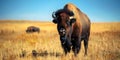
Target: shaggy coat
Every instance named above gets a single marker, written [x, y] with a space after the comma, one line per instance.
[73, 27]
[32, 29]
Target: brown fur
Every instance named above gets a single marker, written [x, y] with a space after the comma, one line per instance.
[76, 28]
[81, 28]
[32, 29]
[81, 19]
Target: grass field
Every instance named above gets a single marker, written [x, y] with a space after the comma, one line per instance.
[16, 44]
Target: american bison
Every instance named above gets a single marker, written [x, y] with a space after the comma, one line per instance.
[32, 29]
[73, 26]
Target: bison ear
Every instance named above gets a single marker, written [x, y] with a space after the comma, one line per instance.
[73, 20]
[54, 21]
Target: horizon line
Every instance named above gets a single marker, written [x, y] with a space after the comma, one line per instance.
[51, 20]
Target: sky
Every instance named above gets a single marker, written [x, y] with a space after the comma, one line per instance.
[41, 10]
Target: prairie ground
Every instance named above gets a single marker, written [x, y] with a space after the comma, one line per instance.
[16, 44]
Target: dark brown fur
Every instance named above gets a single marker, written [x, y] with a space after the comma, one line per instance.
[77, 29]
[32, 29]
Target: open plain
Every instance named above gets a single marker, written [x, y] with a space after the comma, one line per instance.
[16, 44]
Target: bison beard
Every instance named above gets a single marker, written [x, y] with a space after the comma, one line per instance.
[66, 45]
[73, 27]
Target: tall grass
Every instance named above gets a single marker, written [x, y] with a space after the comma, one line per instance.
[16, 44]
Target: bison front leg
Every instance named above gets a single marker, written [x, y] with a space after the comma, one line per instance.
[66, 44]
[76, 45]
[66, 48]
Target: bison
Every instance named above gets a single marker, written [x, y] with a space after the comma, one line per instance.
[73, 27]
[32, 29]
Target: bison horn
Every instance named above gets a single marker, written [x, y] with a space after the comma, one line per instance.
[53, 15]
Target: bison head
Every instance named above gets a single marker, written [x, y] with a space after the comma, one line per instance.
[64, 20]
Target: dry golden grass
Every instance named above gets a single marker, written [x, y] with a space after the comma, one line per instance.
[16, 44]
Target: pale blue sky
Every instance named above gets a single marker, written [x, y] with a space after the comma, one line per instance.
[41, 10]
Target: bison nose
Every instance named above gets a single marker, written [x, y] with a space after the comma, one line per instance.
[62, 31]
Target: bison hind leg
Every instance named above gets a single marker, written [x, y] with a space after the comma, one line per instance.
[86, 45]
